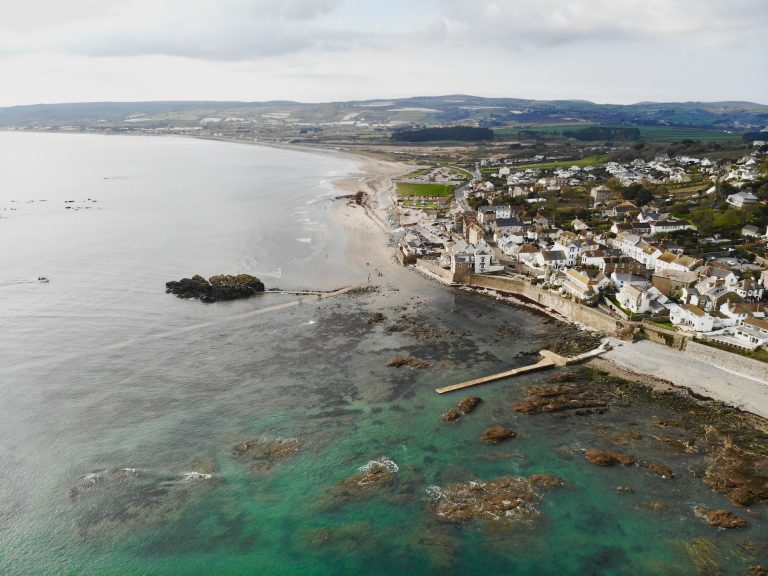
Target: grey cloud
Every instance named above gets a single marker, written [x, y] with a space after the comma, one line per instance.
[204, 29]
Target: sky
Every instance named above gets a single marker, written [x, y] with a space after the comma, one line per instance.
[617, 51]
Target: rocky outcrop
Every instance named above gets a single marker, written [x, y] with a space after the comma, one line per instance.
[720, 518]
[468, 404]
[609, 458]
[558, 397]
[216, 288]
[419, 330]
[660, 470]
[508, 498]
[496, 434]
[376, 318]
[740, 475]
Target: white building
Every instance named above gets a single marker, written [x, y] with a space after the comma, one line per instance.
[741, 199]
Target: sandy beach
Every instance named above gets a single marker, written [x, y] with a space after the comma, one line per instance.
[367, 226]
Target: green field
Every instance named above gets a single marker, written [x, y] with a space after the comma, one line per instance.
[405, 189]
[648, 133]
[586, 161]
[672, 133]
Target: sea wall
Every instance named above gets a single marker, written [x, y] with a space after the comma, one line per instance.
[590, 317]
[405, 260]
[729, 361]
[669, 338]
[436, 270]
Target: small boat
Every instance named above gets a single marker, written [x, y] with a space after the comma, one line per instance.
[42, 279]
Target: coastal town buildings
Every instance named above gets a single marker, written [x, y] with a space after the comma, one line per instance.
[633, 260]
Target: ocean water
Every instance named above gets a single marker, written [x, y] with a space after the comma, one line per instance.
[112, 392]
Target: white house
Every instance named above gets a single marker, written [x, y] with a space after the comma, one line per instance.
[621, 279]
[552, 259]
[740, 311]
[671, 261]
[754, 331]
[578, 225]
[695, 318]
[749, 289]
[741, 199]
[634, 299]
[662, 226]
[584, 284]
[480, 256]
[571, 249]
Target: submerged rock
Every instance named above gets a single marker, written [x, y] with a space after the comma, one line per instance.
[720, 518]
[120, 499]
[376, 318]
[449, 416]
[348, 538]
[370, 475]
[265, 451]
[216, 288]
[507, 498]
[496, 434]
[410, 361]
[468, 404]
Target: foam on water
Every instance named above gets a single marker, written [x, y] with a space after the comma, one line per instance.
[382, 462]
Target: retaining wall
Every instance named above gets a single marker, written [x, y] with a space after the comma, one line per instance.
[729, 361]
[590, 317]
[669, 338]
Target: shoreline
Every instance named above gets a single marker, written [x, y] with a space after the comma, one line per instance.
[367, 231]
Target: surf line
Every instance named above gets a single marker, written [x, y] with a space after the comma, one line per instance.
[170, 333]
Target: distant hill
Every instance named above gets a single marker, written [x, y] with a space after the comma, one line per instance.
[412, 113]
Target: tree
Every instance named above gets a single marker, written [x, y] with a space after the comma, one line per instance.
[704, 219]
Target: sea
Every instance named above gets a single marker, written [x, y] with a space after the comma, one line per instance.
[121, 405]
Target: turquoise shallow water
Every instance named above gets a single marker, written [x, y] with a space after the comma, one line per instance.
[94, 383]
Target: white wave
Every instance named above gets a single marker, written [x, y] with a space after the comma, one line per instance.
[382, 462]
[191, 476]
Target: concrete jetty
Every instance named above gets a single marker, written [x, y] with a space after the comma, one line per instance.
[549, 359]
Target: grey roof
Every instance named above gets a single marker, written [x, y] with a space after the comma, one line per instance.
[550, 255]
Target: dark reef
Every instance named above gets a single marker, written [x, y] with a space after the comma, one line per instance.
[222, 287]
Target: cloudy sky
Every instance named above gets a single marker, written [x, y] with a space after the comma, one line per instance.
[617, 51]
